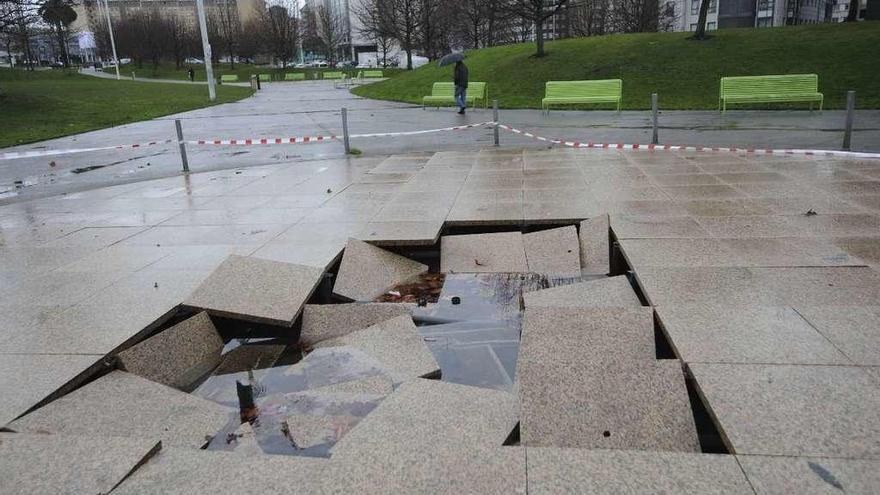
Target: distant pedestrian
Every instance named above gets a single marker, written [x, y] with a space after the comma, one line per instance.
[192, 75]
[461, 84]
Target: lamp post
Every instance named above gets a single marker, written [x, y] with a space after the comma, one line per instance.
[112, 40]
[206, 46]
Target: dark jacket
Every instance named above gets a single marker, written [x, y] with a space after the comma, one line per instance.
[461, 75]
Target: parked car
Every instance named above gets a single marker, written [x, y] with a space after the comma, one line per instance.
[123, 61]
[193, 61]
[348, 64]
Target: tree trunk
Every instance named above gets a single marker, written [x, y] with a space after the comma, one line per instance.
[700, 34]
[853, 14]
[539, 37]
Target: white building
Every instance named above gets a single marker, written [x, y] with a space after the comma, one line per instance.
[760, 13]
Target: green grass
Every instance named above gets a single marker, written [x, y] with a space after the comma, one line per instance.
[684, 73]
[48, 104]
[167, 70]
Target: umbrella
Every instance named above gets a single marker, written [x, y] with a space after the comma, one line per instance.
[451, 59]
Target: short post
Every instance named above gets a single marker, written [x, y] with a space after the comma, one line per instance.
[132, 75]
[345, 130]
[182, 145]
[259, 86]
[655, 138]
[850, 116]
[495, 119]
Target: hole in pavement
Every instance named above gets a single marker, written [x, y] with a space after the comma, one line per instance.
[708, 432]
[662, 345]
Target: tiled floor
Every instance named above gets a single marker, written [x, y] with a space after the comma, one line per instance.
[763, 269]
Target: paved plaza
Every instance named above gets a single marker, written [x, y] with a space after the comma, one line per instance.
[520, 319]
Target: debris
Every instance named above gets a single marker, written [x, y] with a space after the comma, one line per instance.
[456, 300]
[394, 293]
[477, 262]
[248, 411]
[425, 289]
[811, 213]
[52, 164]
[329, 191]
[155, 285]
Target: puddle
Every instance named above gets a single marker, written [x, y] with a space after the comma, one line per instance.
[83, 170]
[426, 290]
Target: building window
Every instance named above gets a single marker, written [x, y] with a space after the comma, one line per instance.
[713, 6]
[695, 7]
[694, 26]
[765, 22]
[710, 26]
[766, 4]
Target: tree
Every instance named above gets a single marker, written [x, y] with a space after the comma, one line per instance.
[279, 29]
[375, 26]
[21, 15]
[331, 30]
[180, 37]
[59, 15]
[853, 14]
[700, 33]
[228, 25]
[405, 21]
[537, 12]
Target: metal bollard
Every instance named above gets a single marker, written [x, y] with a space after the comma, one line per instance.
[495, 119]
[182, 146]
[345, 130]
[132, 75]
[655, 138]
[850, 116]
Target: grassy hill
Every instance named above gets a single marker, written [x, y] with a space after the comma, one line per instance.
[46, 104]
[167, 70]
[683, 72]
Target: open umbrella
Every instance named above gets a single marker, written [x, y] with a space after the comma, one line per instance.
[451, 59]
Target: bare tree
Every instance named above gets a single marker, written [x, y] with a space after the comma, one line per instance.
[331, 30]
[180, 37]
[21, 15]
[59, 15]
[537, 12]
[853, 14]
[700, 33]
[405, 21]
[636, 16]
[375, 26]
[228, 27]
[279, 29]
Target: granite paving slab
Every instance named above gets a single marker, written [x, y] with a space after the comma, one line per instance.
[429, 472]
[185, 471]
[603, 292]
[178, 356]
[720, 285]
[43, 374]
[554, 251]
[126, 405]
[554, 470]
[594, 237]
[855, 330]
[327, 321]
[431, 416]
[677, 252]
[31, 464]
[395, 342]
[486, 212]
[777, 475]
[249, 356]
[746, 334]
[502, 252]
[617, 404]
[830, 286]
[789, 252]
[655, 226]
[865, 248]
[402, 233]
[793, 410]
[257, 290]
[367, 271]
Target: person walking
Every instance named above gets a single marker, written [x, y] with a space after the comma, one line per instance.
[192, 75]
[461, 84]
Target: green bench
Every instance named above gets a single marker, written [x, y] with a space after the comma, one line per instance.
[295, 76]
[228, 78]
[770, 89]
[579, 92]
[334, 75]
[443, 93]
[265, 77]
[370, 74]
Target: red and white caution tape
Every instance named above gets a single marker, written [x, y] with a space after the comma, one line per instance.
[669, 147]
[426, 131]
[37, 153]
[262, 141]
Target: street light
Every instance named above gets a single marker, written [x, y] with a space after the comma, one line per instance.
[206, 46]
[112, 41]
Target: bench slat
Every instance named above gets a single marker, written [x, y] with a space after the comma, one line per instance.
[444, 93]
[770, 89]
[590, 91]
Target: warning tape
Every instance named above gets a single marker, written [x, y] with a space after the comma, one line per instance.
[32, 154]
[262, 141]
[669, 147]
[427, 131]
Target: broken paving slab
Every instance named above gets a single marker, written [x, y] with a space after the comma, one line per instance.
[587, 335]
[554, 251]
[396, 343]
[368, 272]
[327, 321]
[431, 416]
[501, 252]
[595, 250]
[476, 365]
[611, 292]
[125, 405]
[554, 470]
[257, 290]
[42, 376]
[42, 463]
[480, 296]
[707, 333]
[792, 410]
[178, 356]
[185, 471]
[499, 470]
[772, 475]
[249, 356]
[636, 405]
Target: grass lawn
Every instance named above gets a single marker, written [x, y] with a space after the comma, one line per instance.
[684, 73]
[167, 70]
[48, 104]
